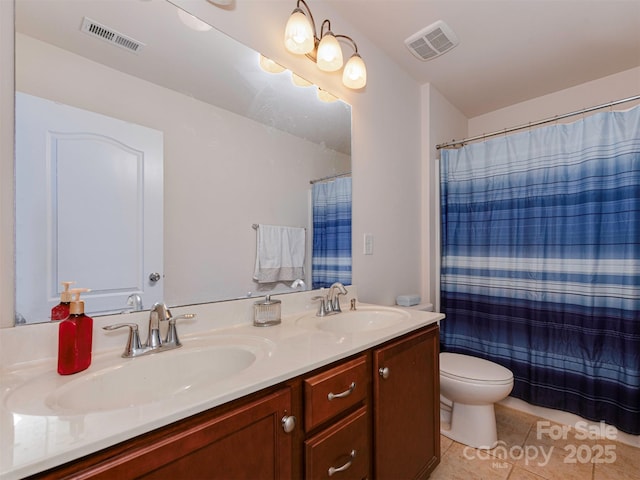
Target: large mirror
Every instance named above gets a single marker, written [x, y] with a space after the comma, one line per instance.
[239, 146]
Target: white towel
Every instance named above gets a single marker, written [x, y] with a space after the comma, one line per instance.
[279, 254]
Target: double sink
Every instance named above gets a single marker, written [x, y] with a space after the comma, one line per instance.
[202, 364]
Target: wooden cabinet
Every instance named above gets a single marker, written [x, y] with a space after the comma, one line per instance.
[406, 407]
[337, 421]
[341, 449]
[374, 415]
[332, 391]
[244, 442]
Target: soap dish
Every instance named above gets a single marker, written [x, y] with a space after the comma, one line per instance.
[266, 312]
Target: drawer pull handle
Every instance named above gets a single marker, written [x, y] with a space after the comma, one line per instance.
[333, 470]
[346, 393]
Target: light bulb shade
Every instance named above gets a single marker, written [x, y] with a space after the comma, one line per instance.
[329, 56]
[299, 36]
[298, 81]
[355, 73]
[326, 96]
[270, 66]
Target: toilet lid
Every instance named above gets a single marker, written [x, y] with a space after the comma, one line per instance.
[470, 368]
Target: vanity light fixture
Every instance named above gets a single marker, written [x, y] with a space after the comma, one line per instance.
[300, 38]
[326, 96]
[270, 66]
[298, 81]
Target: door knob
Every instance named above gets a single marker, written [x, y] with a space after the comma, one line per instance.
[154, 277]
[384, 372]
[288, 423]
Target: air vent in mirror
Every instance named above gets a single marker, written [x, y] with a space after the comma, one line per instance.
[110, 35]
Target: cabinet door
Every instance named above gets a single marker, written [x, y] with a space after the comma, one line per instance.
[246, 442]
[406, 396]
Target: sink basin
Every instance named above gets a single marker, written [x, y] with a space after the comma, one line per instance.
[135, 383]
[139, 381]
[364, 319]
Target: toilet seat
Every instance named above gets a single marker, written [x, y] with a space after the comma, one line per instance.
[466, 368]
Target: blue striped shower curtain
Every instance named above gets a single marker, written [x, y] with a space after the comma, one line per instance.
[331, 259]
[541, 262]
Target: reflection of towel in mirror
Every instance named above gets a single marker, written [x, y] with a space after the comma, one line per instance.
[279, 254]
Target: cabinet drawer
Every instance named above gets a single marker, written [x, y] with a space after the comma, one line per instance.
[335, 390]
[341, 451]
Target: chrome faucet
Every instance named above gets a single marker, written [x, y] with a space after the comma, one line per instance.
[159, 313]
[330, 303]
[298, 282]
[335, 291]
[134, 300]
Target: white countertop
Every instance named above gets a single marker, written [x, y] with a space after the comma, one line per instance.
[33, 440]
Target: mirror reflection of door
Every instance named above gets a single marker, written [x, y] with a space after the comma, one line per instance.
[88, 199]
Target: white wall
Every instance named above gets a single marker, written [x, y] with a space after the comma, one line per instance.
[217, 183]
[387, 152]
[6, 165]
[386, 147]
[441, 121]
[613, 87]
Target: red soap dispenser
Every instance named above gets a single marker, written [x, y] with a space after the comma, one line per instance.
[75, 337]
[61, 311]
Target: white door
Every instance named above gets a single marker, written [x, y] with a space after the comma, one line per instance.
[88, 208]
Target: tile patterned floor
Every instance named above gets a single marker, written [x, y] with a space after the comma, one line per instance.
[532, 448]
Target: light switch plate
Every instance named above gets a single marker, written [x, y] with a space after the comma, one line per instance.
[368, 244]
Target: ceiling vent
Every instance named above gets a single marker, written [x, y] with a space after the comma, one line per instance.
[110, 35]
[432, 41]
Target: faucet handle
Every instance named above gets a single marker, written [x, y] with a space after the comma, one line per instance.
[133, 342]
[172, 339]
[322, 309]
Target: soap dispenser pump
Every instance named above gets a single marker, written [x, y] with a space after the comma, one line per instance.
[75, 336]
[61, 311]
[266, 312]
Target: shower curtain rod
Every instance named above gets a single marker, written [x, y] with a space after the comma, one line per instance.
[462, 143]
[330, 177]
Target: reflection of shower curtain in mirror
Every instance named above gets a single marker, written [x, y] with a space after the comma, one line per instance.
[331, 260]
[541, 262]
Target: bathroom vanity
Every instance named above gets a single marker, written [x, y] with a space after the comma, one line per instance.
[319, 403]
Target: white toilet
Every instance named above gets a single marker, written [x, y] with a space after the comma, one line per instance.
[472, 385]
